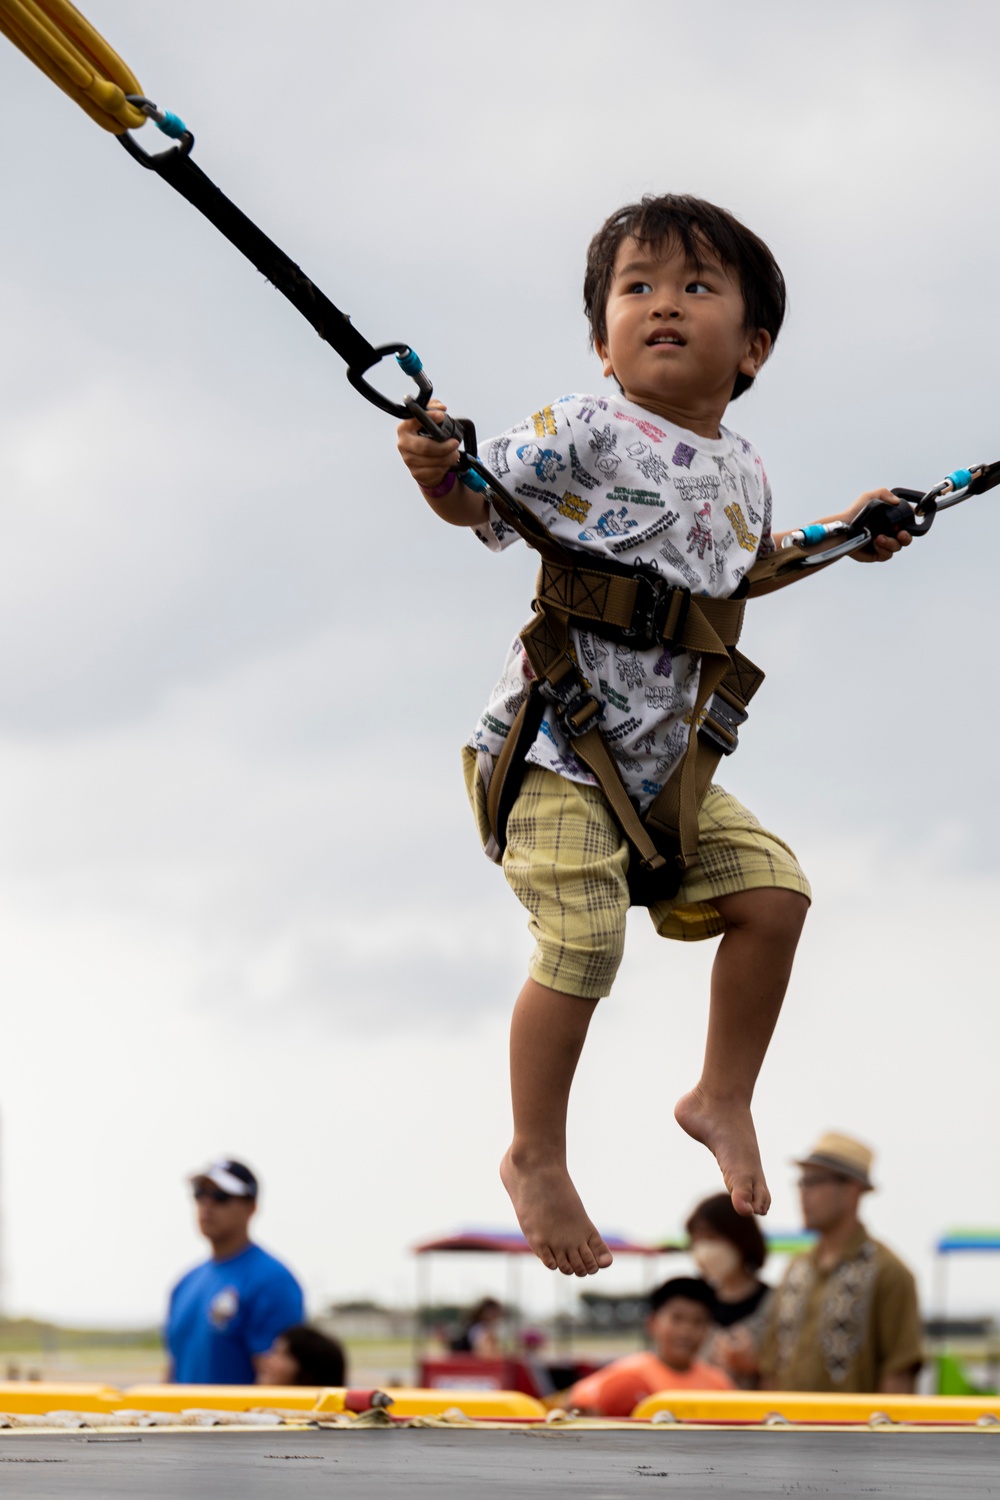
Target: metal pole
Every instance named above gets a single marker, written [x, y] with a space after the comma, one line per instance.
[423, 1300]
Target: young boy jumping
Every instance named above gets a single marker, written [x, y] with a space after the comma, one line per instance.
[684, 305]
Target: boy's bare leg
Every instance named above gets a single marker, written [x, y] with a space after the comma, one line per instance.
[547, 1033]
[749, 979]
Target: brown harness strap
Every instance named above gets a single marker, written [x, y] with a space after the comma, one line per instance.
[631, 607]
[782, 567]
[709, 627]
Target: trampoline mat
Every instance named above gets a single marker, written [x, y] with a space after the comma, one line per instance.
[457, 1465]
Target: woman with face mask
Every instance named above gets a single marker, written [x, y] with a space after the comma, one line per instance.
[729, 1251]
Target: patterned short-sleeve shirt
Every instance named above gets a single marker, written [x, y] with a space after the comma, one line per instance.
[845, 1327]
[608, 477]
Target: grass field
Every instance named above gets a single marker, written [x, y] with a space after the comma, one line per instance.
[30, 1350]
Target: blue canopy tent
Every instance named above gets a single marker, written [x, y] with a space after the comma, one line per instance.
[952, 1378]
[959, 1242]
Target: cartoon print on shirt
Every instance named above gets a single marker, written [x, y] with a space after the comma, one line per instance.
[723, 547]
[603, 442]
[673, 748]
[590, 408]
[619, 731]
[656, 433]
[746, 538]
[629, 667]
[512, 702]
[649, 464]
[650, 564]
[677, 560]
[614, 697]
[726, 476]
[606, 489]
[697, 487]
[753, 514]
[496, 456]
[574, 507]
[588, 654]
[662, 523]
[664, 700]
[699, 538]
[610, 524]
[546, 462]
[494, 725]
[532, 492]
[634, 497]
[625, 761]
[580, 475]
[600, 648]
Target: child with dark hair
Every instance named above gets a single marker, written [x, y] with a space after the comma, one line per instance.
[684, 304]
[680, 1316]
[480, 1330]
[303, 1356]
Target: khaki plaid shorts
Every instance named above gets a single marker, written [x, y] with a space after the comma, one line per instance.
[566, 861]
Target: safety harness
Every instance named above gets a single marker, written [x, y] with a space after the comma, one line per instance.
[641, 610]
[624, 605]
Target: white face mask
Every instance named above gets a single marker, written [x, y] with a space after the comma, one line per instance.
[717, 1260]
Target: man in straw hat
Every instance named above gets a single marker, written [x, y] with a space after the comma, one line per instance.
[845, 1317]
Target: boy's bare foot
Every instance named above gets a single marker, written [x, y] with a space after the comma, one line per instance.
[728, 1131]
[552, 1217]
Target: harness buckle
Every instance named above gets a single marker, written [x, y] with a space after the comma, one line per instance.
[576, 708]
[661, 610]
[721, 723]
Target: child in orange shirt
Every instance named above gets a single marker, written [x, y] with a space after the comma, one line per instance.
[680, 1315]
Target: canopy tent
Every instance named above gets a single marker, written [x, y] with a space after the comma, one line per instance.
[510, 1242]
[956, 1241]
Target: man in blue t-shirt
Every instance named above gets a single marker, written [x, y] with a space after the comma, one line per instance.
[228, 1311]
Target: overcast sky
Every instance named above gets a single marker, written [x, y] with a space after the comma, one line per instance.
[243, 908]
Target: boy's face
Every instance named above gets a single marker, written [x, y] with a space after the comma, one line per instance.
[678, 1330]
[676, 338]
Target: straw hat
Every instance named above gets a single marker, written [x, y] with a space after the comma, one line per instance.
[843, 1154]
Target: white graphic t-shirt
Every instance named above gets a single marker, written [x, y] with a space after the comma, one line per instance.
[611, 478]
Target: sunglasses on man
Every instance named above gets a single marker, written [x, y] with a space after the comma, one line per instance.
[212, 1195]
[821, 1179]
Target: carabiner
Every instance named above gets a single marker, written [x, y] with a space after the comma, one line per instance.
[408, 362]
[171, 125]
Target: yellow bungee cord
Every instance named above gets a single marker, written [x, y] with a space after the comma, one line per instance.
[62, 42]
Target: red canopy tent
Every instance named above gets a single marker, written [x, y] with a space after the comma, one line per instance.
[510, 1242]
[513, 1371]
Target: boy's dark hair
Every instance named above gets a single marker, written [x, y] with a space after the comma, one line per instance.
[718, 1215]
[690, 1287]
[692, 224]
[320, 1358]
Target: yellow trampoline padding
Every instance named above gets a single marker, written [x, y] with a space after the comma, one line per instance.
[414, 1401]
[62, 42]
[34, 1397]
[407, 1401]
[223, 1397]
[803, 1406]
